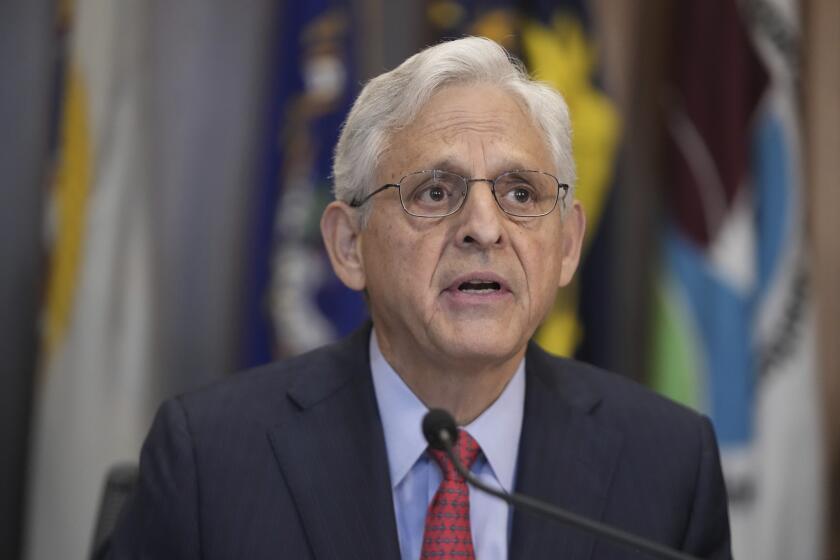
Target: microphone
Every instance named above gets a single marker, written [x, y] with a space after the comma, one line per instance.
[439, 426]
[441, 433]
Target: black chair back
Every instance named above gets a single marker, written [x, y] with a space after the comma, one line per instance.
[119, 487]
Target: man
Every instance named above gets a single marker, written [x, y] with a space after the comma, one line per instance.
[455, 214]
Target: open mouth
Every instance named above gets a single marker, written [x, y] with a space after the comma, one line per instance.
[479, 287]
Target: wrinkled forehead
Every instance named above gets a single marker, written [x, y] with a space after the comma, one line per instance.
[461, 123]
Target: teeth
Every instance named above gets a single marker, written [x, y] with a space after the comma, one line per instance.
[479, 286]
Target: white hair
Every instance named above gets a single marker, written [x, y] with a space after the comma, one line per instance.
[393, 99]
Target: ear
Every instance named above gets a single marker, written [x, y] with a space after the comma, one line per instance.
[340, 229]
[574, 228]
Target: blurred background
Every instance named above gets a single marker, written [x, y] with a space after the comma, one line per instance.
[164, 164]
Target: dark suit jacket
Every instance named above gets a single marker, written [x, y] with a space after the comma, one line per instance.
[289, 461]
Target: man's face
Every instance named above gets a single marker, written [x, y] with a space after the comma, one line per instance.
[471, 287]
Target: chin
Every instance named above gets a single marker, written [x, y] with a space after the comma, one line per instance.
[482, 346]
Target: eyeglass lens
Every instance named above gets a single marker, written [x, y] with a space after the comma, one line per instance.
[440, 193]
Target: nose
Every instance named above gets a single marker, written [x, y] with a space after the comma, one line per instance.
[481, 221]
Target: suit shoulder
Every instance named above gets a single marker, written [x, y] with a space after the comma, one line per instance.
[259, 392]
[614, 396]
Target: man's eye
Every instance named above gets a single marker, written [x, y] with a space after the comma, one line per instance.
[436, 194]
[522, 195]
[432, 193]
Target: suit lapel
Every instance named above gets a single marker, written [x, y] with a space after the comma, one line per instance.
[565, 458]
[331, 449]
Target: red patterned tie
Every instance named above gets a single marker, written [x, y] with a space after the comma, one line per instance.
[447, 534]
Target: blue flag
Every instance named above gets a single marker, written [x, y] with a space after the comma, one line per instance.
[294, 301]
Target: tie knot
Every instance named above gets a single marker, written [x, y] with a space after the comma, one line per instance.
[466, 449]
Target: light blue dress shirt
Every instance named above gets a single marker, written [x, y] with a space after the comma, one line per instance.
[415, 476]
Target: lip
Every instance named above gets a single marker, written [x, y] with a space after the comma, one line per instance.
[459, 296]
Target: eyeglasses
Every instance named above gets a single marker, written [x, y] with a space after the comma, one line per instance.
[435, 194]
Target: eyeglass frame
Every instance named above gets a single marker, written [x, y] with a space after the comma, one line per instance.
[468, 181]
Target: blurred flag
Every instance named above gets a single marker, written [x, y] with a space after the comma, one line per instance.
[294, 300]
[147, 214]
[552, 38]
[734, 319]
[91, 405]
[28, 111]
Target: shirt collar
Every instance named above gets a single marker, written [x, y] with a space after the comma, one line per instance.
[496, 430]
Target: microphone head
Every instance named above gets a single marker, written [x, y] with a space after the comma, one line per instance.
[436, 422]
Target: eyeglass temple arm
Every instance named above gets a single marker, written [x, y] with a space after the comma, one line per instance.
[356, 203]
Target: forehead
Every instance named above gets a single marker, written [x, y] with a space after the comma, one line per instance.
[462, 124]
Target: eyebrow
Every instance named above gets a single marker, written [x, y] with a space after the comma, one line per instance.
[448, 164]
[453, 165]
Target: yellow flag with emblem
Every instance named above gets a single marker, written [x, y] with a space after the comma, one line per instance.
[553, 42]
[561, 55]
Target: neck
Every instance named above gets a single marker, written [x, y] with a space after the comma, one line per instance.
[465, 388]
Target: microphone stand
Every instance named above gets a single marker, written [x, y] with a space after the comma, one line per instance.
[541, 508]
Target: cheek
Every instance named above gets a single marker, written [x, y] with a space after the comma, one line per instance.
[542, 264]
[400, 261]
[381, 257]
